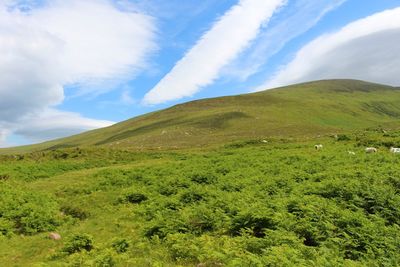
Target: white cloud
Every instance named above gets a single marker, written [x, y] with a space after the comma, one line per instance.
[220, 45]
[290, 22]
[57, 43]
[109, 44]
[3, 137]
[29, 68]
[367, 49]
[52, 123]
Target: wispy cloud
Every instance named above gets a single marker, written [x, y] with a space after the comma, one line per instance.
[126, 98]
[287, 24]
[366, 49]
[220, 45]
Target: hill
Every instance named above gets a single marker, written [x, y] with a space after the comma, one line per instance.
[275, 203]
[308, 109]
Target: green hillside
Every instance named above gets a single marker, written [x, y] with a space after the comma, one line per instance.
[308, 109]
[91, 200]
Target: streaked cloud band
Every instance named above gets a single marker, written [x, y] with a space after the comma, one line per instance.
[216, 48]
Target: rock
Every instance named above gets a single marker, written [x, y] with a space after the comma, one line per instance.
[55, 236]
[211, 264]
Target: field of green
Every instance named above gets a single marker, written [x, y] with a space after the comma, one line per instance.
[230, 181]
[268, 202]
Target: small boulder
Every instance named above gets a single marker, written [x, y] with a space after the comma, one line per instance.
[54, 236]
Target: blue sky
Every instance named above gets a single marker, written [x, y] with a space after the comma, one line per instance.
[71, 66]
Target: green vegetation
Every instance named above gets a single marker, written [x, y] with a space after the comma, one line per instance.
[251, 203]
[323, 107]
[78, 243]
[259, 193]
[26, 211]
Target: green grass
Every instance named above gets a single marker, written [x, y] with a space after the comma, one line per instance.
[249, 203]
[231, 181]
[303, 110]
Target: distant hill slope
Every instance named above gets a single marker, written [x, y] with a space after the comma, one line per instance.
[306, 109]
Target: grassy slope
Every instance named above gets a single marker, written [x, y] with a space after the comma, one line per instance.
[328, 208]
[300, 110]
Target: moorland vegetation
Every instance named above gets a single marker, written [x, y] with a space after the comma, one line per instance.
[272, 202]
[230, 181]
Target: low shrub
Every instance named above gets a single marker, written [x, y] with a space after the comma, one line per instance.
[75, 212]
[78, 242]
[133, 197]
[120, 245]
[28, 212]
[191, 197]
[202, 178]
[6, 227]
[343, 137]
[105, 259]
[155, 230]
[256, 222]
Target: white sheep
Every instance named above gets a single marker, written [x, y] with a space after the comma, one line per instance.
[395, 150]
[371, 150]
[318, 147]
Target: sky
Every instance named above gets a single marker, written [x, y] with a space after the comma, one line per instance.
[71, 66]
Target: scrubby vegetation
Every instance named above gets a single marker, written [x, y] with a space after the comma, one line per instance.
[25, 211]
[251, 203]
[78, 243]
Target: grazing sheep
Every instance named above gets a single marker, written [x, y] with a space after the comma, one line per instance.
[318, 147]
[55, 236]
[395, 150]
[371, 150]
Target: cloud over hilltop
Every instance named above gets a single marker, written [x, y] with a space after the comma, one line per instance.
[366, 49]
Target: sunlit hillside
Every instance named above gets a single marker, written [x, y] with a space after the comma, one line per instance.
[303, 110]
